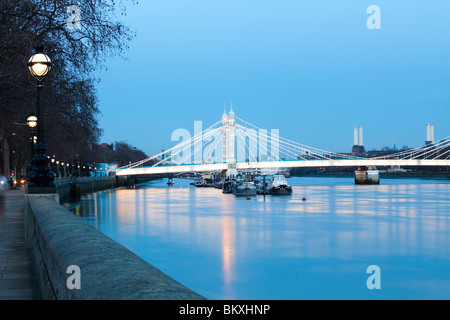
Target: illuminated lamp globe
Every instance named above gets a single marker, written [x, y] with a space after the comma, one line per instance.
[39, 65]
[32, 121]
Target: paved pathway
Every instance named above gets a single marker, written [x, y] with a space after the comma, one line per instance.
[18, 276]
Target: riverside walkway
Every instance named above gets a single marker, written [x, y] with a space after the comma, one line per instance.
[18, 276]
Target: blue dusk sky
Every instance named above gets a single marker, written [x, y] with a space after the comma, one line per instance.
[312, 69]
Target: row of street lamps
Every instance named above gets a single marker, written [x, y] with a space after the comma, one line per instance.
[40, 176]
[69, 169]
[32, 122]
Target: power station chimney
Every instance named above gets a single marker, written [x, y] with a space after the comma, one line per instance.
[430, 134]
[358, 143]
[361, 143]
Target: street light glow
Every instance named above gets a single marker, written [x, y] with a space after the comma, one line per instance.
[39, 65]
[32, 121]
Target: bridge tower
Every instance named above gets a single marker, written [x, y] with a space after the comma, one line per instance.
[231, 153]
[224, 137]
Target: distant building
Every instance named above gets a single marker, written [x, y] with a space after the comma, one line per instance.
[113, 167]
[102, 169]
[430, 134]
[358, 144]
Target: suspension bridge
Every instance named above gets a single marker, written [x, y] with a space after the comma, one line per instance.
[233, 144]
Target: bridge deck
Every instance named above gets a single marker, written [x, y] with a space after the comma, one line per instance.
[281, 164]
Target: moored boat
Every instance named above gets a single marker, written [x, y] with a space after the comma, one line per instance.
[227, 186]
[280, 186]
[244, 188]
[264, 186]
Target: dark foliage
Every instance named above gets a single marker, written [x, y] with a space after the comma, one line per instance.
[70, 97]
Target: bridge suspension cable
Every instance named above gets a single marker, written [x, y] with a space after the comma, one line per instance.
[208, 134]
[304, 149]
[169, 151]
[254, 142]
[430, 151]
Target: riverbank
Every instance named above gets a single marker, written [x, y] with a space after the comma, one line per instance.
[77, 262]
[42, 244]
[74, 187]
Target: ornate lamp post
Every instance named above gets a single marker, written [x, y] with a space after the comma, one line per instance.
[40, 175]
[32, 122]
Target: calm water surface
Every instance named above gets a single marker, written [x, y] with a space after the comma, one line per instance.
[280, 247]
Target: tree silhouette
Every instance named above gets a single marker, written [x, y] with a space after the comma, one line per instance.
[70, 97]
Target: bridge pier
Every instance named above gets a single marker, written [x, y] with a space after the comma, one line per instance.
[367, 175]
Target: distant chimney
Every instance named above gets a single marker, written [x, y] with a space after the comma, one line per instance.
[430, 134]
[358, 144]
[361, 143]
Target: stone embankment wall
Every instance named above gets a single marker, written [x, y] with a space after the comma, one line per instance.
[77, 262]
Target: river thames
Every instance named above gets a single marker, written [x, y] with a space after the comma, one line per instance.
[281, 247]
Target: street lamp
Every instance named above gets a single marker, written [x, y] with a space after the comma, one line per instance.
[40, 174]
[39, 64]
[32, 123]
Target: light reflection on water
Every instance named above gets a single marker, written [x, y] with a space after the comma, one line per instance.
[268, 247]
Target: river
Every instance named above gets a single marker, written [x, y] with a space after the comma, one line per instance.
[284, 247]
